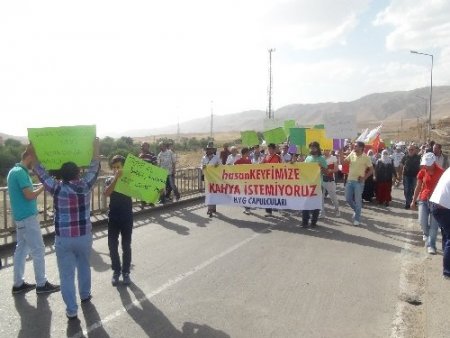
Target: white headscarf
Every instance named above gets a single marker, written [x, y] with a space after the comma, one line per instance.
[385, 158]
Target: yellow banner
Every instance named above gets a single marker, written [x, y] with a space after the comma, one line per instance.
[281, 185]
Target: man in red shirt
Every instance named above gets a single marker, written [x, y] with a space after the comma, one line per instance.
[244, 160]
[271, 157]
[427, 179]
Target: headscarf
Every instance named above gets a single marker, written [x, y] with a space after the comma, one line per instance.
[385, 158]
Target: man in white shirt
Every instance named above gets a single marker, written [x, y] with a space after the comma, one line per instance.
[285, 156]
[233, 156]
[440, 208]
[166, 159]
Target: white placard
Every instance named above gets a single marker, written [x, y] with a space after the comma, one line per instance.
[340, 125]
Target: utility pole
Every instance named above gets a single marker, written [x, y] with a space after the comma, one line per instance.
[212, 119]
[270, 114]
[178, 129]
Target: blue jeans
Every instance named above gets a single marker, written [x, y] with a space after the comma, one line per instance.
[353, 196]
[29, 241]
[409, 184]
[442, 217]
[72, 253]
[428, 223]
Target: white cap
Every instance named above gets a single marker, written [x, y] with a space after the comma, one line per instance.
[428, 159]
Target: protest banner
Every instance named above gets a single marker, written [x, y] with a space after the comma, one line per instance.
[249, 138]
[276, 136]
[57, 145]
[340, 125]
[282, 185]
[141, 180]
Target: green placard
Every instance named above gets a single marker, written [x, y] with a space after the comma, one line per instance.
[288, 125]
[298, 136]
[319, 126]
[141, 180]
[276, 136]
[249, 138]
[57, 145]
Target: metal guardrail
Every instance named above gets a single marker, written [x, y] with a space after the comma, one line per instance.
[187, 180]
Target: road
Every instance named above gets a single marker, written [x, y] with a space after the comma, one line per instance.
[238, 275]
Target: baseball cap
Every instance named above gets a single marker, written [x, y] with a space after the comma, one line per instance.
[428, 159]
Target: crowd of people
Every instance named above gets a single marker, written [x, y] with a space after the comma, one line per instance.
[365, 173]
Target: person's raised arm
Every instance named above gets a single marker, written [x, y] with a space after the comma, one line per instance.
[110, 187]
[48, 182]
[94, 168]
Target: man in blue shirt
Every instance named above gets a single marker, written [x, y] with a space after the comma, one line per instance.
[22, 197]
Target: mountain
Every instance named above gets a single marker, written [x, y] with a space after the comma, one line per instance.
[389, 108]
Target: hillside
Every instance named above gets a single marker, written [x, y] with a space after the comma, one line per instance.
[401, 107]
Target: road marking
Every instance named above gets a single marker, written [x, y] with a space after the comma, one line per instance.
[408, 288]
[171, 282]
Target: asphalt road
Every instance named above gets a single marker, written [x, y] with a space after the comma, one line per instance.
[234, 275]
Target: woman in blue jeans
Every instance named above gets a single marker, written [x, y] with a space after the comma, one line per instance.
[427, 179]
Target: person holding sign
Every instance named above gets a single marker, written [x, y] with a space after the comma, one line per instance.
[315, 156]
[210, 158]
[360, 167]
[23, 196]
[271, 157]
[120, 222]
[73, 228]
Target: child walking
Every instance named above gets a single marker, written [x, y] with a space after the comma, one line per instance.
[120, 222]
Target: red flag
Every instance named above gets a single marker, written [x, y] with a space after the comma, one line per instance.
[376, 144]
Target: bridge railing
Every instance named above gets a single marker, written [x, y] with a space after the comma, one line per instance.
[187, 180]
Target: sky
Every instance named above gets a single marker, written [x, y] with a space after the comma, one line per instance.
[125, 65]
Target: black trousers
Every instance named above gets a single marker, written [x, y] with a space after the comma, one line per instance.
[116, 229]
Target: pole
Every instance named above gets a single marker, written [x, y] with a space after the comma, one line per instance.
[269, 109]
[431, 96]
[212, 117]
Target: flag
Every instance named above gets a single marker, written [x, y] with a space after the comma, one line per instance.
[371, 135]
[376, 144]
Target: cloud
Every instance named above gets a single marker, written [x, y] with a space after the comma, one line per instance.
[311, 25]
[416, 24]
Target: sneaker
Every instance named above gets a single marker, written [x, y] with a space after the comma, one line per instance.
[424, 238]
[355, 223]
[126, 279]
[304, 224]
[247, 212]
[431, 250]
[25, 287]
[313, 224]
[268, 214]
[115, 279]
[47, 288]
[446, 277]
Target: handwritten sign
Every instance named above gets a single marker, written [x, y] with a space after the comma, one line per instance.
[276, 136]
[288, 125]
[278, 185]
[55, 146]
[340, 125]
[318, 135]
[141, 180]
[297, 136]
[249, 138]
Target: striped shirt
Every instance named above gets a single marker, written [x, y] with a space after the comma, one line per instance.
[71, 200]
